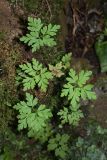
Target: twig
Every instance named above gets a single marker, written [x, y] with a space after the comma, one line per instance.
[49, 8]
[75, 21]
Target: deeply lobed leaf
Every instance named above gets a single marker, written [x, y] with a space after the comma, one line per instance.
[39, 35]
[33, 120]
[34, 75]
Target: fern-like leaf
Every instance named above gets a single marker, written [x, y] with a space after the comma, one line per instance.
[77, 88]
[66, 60]
[40, 35]
[34, 74]
[60, 145]
[71, 116]
[35, 120]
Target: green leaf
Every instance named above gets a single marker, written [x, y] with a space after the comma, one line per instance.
[59, 145]
[40, 35]
[34, 74]
[73, 75]
[101, 51]
[30, 100]
[66, 60]
[34, 120]
[83, 77]
[75, 89]
[52, 146]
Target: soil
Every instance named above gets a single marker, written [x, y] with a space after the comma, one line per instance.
[99, 111]
[9, 23]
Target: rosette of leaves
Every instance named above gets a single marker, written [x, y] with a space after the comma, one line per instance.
[40, 35]
[59, 144]
[31, 115]
[77, 88]
[34, 74]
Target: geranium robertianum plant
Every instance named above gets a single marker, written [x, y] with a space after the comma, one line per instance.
[38, 118]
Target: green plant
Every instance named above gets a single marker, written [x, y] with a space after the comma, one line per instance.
[40, 35]
[92, 146]
[71, 116]
[44, 134]
[101, 49]
[66, 60]
[34, 74]
[31, 115]
[7, 155]
[59, 144]
[76, 88]
[89, 152]
[2, 36]
[37, 119]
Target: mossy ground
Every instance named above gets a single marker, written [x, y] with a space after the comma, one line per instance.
[11, 55]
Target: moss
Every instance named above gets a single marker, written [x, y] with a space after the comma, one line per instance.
[9, 57]
[2, 36]
[46, 9]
